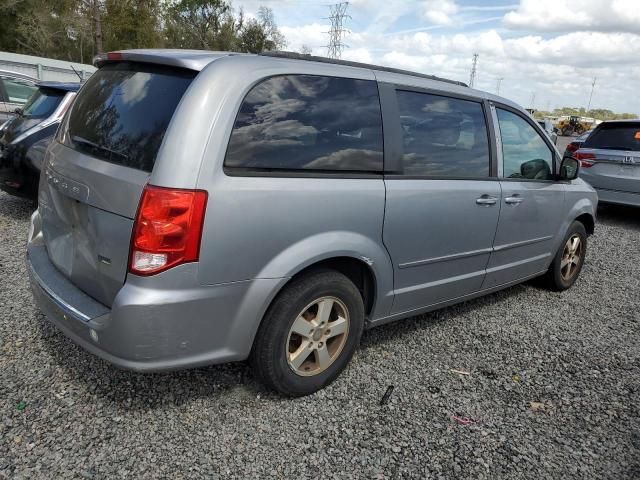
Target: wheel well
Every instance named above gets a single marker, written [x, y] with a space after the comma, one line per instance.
[355, 270]
[588, 222]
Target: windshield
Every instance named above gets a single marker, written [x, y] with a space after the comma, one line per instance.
[123, 111]
[43, 103]
[612, 136]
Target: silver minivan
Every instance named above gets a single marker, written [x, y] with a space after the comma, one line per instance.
[200, 207]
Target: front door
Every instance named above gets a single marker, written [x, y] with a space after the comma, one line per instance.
[442, 209]
[532, 202]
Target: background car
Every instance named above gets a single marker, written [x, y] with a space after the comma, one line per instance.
[548, 127]
[575, 144]
[15, 90]
[610, 161]
[23, 138]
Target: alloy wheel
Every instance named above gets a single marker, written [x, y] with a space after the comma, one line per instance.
[571, 257]
[317, 336]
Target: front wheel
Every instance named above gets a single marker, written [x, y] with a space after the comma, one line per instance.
[309, 333]
[567, 263]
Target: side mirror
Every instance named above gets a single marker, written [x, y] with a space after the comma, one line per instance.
[569, 169]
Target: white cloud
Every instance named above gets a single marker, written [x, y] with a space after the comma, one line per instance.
[439, 11]
[358, 55]
[551, 47]
[572, 15]
[313, 35]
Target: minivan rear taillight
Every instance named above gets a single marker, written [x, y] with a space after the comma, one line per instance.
[167, 229]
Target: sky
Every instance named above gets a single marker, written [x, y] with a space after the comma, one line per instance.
[547, 52]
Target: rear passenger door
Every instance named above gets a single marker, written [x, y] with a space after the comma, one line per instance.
[443, 201]
[532, 204]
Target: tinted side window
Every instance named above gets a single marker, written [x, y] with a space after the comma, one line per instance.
[18, 91]
[123, 111]
[308, 122]
[443, 136]
[525, 154]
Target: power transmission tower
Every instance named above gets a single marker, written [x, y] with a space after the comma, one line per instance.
[474, 65]
[593, 85]
[337, 17]
[498, 85]
[533, 100]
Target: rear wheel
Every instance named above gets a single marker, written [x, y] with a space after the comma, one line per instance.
[309, 333]
[567, 263]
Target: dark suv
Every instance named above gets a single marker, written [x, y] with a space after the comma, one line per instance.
[25, 137]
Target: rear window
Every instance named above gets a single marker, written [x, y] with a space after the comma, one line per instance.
[122, 113]
[615, 137]
[308, 122]
[43, 103]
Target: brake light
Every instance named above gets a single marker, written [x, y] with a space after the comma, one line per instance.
[572, 147]
[585, 159]
[167, 229]
[114, 56]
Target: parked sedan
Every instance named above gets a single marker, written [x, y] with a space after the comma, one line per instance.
[610, 161]
[24, 138]
[549, 129]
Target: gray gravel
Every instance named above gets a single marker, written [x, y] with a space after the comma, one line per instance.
[575, 355]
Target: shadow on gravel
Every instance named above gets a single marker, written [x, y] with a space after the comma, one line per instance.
[410, 325]
[230, 384]
[619, 215]
[16, 207]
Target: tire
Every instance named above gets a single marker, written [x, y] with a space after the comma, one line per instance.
[562, 275]
[279, 356]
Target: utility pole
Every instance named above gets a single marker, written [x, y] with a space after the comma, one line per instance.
[498, 85]
[337, 17]
[533, 100]
[474, 65]
[593, 85]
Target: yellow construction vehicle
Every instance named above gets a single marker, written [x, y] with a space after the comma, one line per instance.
[572, 125]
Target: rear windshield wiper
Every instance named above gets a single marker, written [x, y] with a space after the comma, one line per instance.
[95, 146]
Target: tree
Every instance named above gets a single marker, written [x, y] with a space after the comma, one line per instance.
[76, 30]
[132, 24]
[261, 34]
[212, 25]
[201, 24]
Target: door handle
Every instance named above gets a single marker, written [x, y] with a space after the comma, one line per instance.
[515, 199]
[486, 200]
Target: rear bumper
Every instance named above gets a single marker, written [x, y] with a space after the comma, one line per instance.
[152, 325]
[620, 198]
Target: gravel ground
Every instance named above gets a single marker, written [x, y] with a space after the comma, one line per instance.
[552, 390]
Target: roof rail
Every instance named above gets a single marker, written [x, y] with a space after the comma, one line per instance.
[313, 58]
